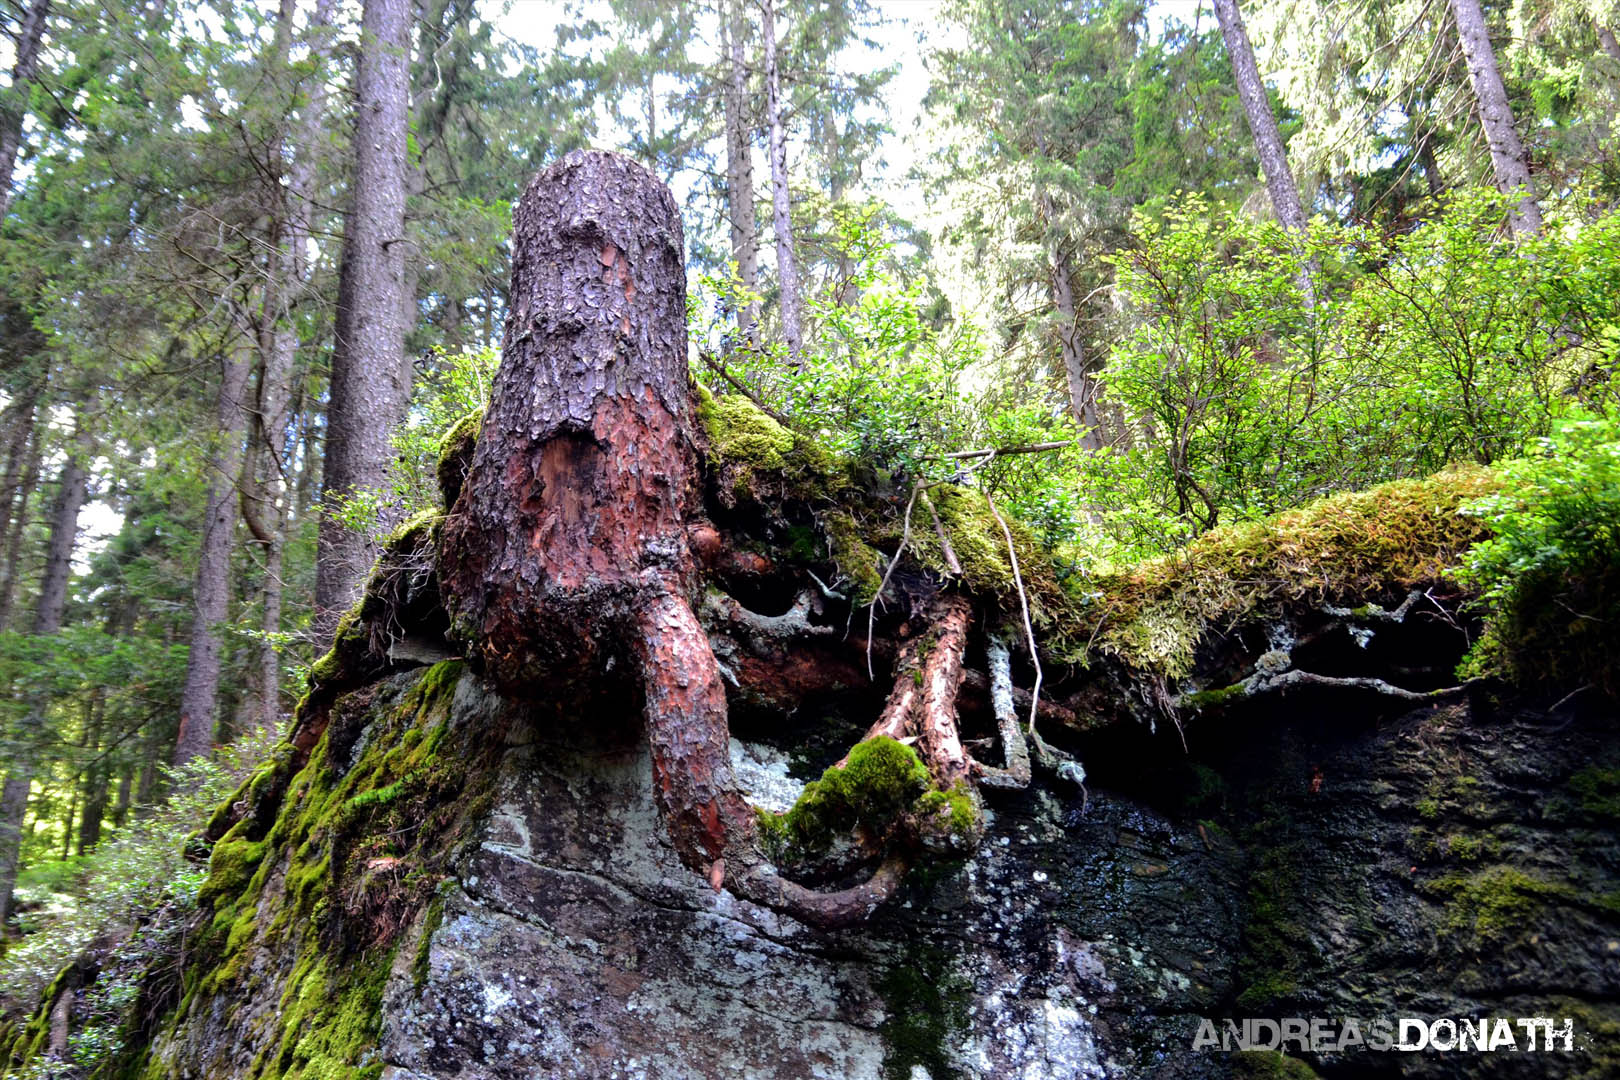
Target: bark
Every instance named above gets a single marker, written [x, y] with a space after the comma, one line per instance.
[20, 421]
[266, 503]
[17, 528]
[1077, 371]
[1607, 40]
[96, 775]
[1268, 143]
[199, 695]
[787, 270]
[568, 553]
[14, 103]
[1509, 162]
[370, 377]
[71, 493]
[740, 170]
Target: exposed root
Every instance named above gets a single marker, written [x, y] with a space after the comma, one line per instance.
[940, 743]
[1015, 773]
[1272, 675]
[718, 608]
[825, 910]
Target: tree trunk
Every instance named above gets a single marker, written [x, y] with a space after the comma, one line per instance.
[370, 378]
[787, 271]
[267, 507]
[1508, 159]
[740, 171]
[1285, 201]
[20, 420]
[70, 497]
[199, 696]
[18, 527]
[1607, 40]
[14, 104]
[96, 774]
[567, 553]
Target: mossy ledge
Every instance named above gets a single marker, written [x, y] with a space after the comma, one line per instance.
[302, 920]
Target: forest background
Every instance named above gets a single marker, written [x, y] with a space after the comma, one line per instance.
[1217, 261]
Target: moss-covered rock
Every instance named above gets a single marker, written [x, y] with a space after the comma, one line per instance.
[1363, 545]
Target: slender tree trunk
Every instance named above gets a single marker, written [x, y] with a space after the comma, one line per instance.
[126, 787]
[1607, 40]
[1268, 143]
[70, 498]
[19, 437]
[370, 379]
[1509, 161]
[18, 527]
[14, 103]
[1077, 371]
[96, 774]
[740, 170]
[787, 270]
[199, 696]
[268, 509]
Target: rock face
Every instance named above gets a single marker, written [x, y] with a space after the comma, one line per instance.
[1452, 863]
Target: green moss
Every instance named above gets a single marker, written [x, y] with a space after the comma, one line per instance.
[926, 1005]
[857, 560]
[740, 434]
[880, 781]
[1598, 790]
[455, 454]
[1495, 903]
[1378, 542]
[1269, 1065]
[1276, 947]
[230, 868]
[355, 855]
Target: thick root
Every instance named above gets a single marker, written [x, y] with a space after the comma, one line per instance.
[939, 741]
[713, 828]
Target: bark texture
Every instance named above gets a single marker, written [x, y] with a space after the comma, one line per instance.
[266, 504]
[1509, 162]
[567, 554]
[1268, 143]
[740, 169]
[787, 269]
[371, 379]
[199, 695]
[14, 103]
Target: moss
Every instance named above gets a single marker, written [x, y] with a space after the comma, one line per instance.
[1269, 1065]
[857, 560]
[455, 455]
[230, 868]
[1276, 946]
[1375, 543]
[1495, 903]
[1598, 790]
[926, 1006]
[880, 781]
[740, 434]
[356, 855]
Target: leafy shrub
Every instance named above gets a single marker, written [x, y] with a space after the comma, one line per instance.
[140, 870]
[1448, 343]
[1549, 578]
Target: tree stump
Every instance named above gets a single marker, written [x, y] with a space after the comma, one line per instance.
[567, 554]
